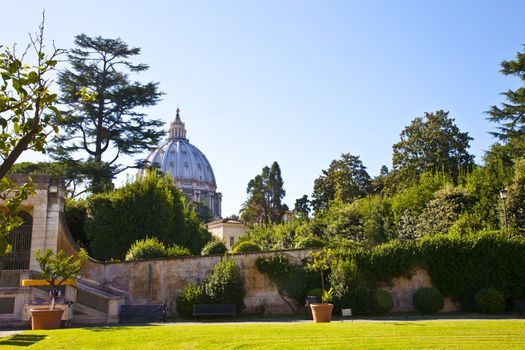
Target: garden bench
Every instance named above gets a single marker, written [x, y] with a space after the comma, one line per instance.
[520, 307]
[144, 311]
[214, 310]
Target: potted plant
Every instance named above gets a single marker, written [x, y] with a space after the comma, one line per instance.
[57, 269]
[321, 312]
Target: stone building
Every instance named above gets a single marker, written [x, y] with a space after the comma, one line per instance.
[188, 166]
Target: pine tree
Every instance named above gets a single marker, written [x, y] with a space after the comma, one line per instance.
[265, 193]
[511, 115]
[99, 131]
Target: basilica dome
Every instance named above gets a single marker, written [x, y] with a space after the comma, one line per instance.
[188, 166]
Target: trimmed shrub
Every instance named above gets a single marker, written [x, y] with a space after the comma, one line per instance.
[191, 294]
[490, 301]
[428, 300]
[119, 218]
[382, 302]
[149, 248]
[177, 250]
[247, 246]
[361, 301]
[214, 247]
[225, 284]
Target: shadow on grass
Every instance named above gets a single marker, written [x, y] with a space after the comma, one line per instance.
[22, 339]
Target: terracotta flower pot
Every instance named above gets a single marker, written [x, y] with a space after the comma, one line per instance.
[44, 318]
[322, 312]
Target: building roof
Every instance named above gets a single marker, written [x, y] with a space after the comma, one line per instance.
[184, 162]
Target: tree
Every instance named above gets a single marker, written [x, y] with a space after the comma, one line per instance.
[302, 208]
[265, 193]
[432, 143]
[110, 125]
[26, 106]
[345, 180]
[511, 115]
[516, 197]
[71, 172]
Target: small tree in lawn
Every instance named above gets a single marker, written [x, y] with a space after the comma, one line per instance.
[58, 267]
[320, 262]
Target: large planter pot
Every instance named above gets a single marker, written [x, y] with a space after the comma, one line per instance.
[44, 318]
[322, 312]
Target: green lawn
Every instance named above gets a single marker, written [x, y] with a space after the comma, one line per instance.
[478, 334]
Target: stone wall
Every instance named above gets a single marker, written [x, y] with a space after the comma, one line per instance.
[151, 281]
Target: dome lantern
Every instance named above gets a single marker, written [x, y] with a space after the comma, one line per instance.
[177, 128]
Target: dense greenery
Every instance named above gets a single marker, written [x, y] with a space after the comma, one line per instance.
[382, 302]
[490, 301]
[224, 285]
[214, 246]
[428, 300]
[292, 280]
[265, 193]
[151, 206]
[151, 248]
[244, 247]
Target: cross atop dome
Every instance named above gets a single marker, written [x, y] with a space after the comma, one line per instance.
[177, 128]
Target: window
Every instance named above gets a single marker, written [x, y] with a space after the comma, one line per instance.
[232, 240]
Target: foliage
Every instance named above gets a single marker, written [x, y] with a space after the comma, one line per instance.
[214, 246]
[345, 180]
[75, 211]
[72, 173]
[225, 285]
[344, 279]
[382, 302]
[265, 193]
[516, 197]
[26, 109]
[290, 279]
[442, 211]
[55, 268]
[150, 205]
[311, 241]
[328, 296]
[361, 301]
[428, 300]
[432, 143]
[148, 248]
[177, 250]
[302, 208]
[191, 294]
[509, 117]
[97, 132]
[244, 247]
[319, 261]
[202, 210]
[490, 301]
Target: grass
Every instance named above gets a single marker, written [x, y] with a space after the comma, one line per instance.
[443, 334]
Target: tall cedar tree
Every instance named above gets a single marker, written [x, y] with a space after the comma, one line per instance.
[101, 130]
[432, 143]
[511, 115]
[345, 180]
[265, 193]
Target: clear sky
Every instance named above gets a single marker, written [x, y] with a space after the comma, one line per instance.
[300, 82]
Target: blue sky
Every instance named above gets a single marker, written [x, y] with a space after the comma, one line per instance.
[300, 82]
